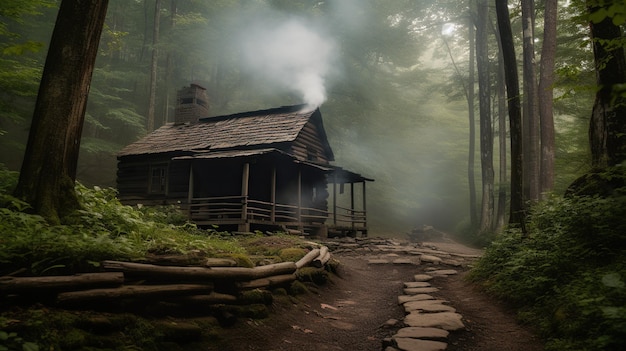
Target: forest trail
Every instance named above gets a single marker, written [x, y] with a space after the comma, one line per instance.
[359, 308]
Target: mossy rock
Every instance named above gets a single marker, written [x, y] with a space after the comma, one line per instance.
[297, 288]
[292, 254]
[318, 276]
[602, 182]
[241, 259]
[256, 296]
[180, 332]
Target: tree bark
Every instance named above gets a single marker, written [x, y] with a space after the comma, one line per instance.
[199, 273]
[49, 168]
[607, 130]
[74, 282]
[154, 65]
[546, 96]
[517, 213]
[530, 128]
[472, 124]
[486, 132]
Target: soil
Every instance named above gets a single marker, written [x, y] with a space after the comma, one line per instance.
[355, 311]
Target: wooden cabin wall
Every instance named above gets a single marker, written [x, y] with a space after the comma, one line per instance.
[219, 177]
[308, 145]
[133, 181]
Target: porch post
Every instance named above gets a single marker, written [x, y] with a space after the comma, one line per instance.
[244, 226]
[364, 233]
[190, 189]
[300, 196]
[352, 204]
[273, 195]
[334, 199]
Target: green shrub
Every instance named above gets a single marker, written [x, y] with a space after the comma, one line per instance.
[567, 275]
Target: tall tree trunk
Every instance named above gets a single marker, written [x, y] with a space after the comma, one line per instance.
[472, 123]
[530, 122]
[49, 169]
[168, 62]
[517, 212]
[607, 131]
[486, 133]
[546, 80]
[501, 210]
[154, 65]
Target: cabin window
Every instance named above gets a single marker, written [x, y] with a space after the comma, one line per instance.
[158, 179]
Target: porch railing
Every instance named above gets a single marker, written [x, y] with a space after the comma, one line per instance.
[234, 209]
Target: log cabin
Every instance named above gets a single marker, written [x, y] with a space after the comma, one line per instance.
[259, 170]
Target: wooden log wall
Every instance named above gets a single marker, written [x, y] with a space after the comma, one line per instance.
[149, 282]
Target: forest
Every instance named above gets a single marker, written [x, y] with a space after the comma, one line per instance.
[501, 122]
[394, 78]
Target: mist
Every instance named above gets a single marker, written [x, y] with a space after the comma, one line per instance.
[288, 53]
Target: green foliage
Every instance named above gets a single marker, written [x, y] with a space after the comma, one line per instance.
[567, 276]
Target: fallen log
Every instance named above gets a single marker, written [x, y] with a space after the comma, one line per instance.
[210, 299]
[322, 258]
[308, 258]
[60, 283]
[199, 273]
[142, 291]
[267, 282]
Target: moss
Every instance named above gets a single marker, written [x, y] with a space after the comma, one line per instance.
[256, 296]
[292, 254]
[241, 259]
[297, 288]
[311, 274]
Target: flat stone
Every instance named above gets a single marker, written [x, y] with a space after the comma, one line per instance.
[422, 333]
[416, 285]
[408, 344]
[418, 297]
[428, 306]
[443, 320]
[377, 261]
[430, 259]
[454, 263]
[389, 348]
[422, 277]
[403, 261]
[445, 272]
[413, 291]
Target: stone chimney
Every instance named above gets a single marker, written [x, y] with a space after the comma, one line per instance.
[192, 104]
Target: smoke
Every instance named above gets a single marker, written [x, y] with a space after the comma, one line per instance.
[290, 54]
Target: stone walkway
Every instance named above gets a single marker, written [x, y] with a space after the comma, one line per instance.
[428, 320]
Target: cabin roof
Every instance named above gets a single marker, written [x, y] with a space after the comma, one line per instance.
[252, 129]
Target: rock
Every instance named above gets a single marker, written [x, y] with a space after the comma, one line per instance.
[445, 272]
[416, 285]
[422, 277]
[408, 344]
[430, 259]
[403, 261]
[428, 306]
[391, 323]
[418, 297]
[443, 320]
[413, 291]
[422, 333]
[377, 261]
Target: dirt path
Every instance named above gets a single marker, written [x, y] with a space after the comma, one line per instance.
[352, 312]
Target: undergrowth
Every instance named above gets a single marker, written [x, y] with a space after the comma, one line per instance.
[567, 275]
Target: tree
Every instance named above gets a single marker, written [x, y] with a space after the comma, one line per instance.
[517, 215]
[546, 97]
[486, 132]
[530, 115]
[607, 131]
[49, 169]
[154, 65]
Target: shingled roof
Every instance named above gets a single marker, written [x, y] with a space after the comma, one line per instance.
[253, 129]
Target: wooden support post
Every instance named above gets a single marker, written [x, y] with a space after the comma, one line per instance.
[334, 200]
[273, 200]
[190, 190]
[352, 205]
[364, 233]
[300, 199]
[244, 226]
